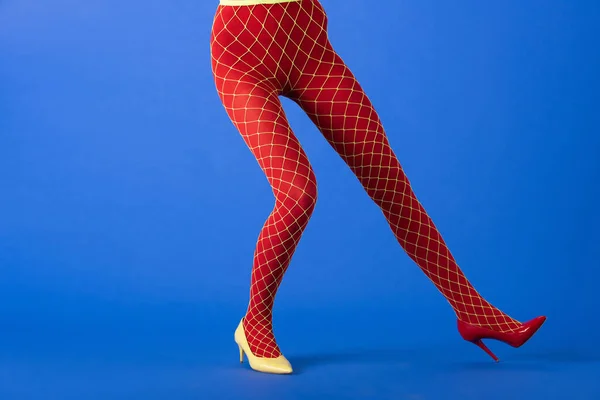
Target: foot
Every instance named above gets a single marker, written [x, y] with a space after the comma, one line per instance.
[271, 365]
[515, 338]
[260, 337]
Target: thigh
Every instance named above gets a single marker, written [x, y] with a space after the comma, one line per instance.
[335, 101]
[257, 113]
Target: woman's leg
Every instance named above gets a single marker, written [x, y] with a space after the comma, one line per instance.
[334, 100]
[257, 113]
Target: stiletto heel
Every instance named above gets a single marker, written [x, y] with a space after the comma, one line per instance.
[278, 365]
[517, 338]
[486, 349]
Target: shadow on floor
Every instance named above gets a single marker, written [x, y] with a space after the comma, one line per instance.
[428, 358]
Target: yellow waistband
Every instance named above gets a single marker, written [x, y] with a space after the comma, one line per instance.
[251, 2]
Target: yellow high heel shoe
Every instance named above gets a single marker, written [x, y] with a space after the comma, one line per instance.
[279, 365]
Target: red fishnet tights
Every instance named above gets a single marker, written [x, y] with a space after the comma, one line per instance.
[260, 52]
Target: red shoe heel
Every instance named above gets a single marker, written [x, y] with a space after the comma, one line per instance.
[482, 346]
[517, 338]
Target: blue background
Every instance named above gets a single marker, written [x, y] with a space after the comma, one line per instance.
[130, 207]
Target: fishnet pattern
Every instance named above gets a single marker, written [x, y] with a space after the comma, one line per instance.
[261, 52]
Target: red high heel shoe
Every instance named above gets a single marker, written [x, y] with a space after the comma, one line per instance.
[517, 338]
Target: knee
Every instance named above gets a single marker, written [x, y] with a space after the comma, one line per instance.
[389, 188]
[304, 195]
[307, 198]
[299, 195]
